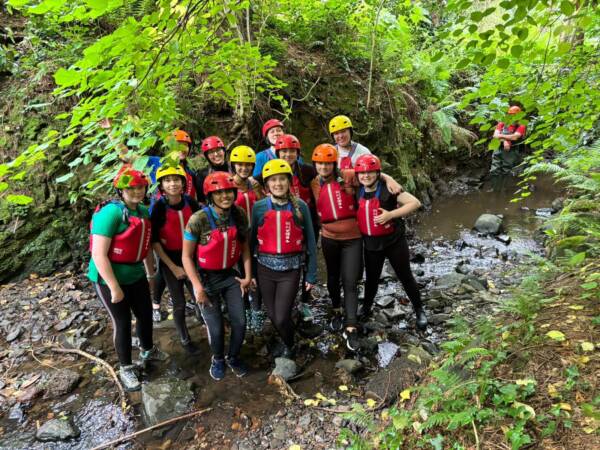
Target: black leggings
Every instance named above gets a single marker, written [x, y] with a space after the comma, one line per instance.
[137, 299]
[343, 260]
[279, 291]
[176, 289]
[399, 258]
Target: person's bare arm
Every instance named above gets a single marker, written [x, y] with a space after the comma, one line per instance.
[408, 204]
[100, 248]
[187, 257]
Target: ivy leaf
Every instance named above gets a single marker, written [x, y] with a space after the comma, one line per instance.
[556, 335]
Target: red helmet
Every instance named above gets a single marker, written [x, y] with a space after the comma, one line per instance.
[367, 163]
[182, 136]
[218, 181]
[271, 123]
[287, 141]
[127, 177]
[211, 143]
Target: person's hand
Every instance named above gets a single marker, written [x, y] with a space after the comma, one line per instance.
[201, 296]
[506, 145]
[308, 286]
[116, 294]
[253, 182]
[179, 272]
[383, 217]
[244, 284]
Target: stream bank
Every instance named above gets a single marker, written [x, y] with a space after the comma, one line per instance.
[461, 273]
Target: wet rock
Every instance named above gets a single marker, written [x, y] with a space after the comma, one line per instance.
[165, 398]
[381, 319]
[285, 368]
[394, 313]
[384, 301]
[72, 341]
[350, 366]
[462, 269]
[14, 333]
[61, 382]
[16, 413]
[419, 272]
[449, 280]
[504, 238]
[66, 323]
[418, 354]
[309, 330]
[488, 224]
[476, 283]
[436, 319]
[434, 303]
[558, 204]
[388, 383]
[418, 255]
[544, 212]
[56, 430]
[279, 432]
[386, 352]
[369, 345]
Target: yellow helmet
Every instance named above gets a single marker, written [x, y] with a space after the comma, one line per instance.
[166, 171]
[242, 154]
[339, 123]
[275, 167]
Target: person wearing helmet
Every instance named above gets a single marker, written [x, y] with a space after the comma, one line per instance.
[341, 241]
[282, 238]
[213, 150]
[119, 244]
[380, 218]
[507, 156]
[271, 131]
[242, 160]
[215, 239]
[169, 216]
[341, 131]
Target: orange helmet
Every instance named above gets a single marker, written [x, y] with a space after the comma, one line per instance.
[182, 136]
[218, 181]
[325, 153]
[514, 110]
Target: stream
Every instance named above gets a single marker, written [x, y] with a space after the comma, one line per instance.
[459, 270]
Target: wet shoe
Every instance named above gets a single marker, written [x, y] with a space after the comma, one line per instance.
[217, 369]
[129, 378]
[337, 322]
[157, 315]
[237, 366]
[421, 320]
[191, 349]
[288, 352]
[352, 341]
[153, 355]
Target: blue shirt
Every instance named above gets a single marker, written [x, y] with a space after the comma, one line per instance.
[261, 159]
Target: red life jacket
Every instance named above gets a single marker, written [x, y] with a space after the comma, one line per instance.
[246, 200]
[190, 189]
[223, 249]
[367, 210]
[301, 191]
[132, 244]
[346, 161]
[335, 203]
[171, 233]
[279, 234]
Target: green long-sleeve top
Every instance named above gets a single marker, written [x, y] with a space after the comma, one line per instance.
[258, 215]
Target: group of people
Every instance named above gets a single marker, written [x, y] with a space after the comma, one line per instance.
[244, 231]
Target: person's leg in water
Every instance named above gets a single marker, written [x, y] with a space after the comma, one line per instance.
[399, 257]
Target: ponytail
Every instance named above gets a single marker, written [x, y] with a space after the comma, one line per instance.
[294, 201]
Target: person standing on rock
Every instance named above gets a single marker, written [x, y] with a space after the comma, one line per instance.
[120, 241]
[380, 220]
[213, 150]
[508, 156]
[215, 238]
[341, 131]
[169, 217]
[282, 240]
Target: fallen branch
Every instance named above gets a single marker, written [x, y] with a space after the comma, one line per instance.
[153, 427]
[106, 366]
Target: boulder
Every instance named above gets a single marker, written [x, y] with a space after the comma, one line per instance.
[387, 384]
[349, 365]
[165, 398]
[488, 224]
[56, 430]
[285, 368]
[60, 382]
[449, 281]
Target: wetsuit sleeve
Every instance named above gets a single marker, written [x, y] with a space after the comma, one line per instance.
[107, 221]
[311, 245]
[157, 218]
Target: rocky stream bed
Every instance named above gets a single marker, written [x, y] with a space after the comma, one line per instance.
[66, 401]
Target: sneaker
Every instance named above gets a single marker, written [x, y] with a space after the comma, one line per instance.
[154, 354]
[237, 366]
[129, 378]
[157, 315]
[217, 369]
[337, 322]
[352, 341]
[191, 349]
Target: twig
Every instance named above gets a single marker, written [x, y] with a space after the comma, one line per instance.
[42, 363]
[153, 427]
[102, 363]
[476, 435]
